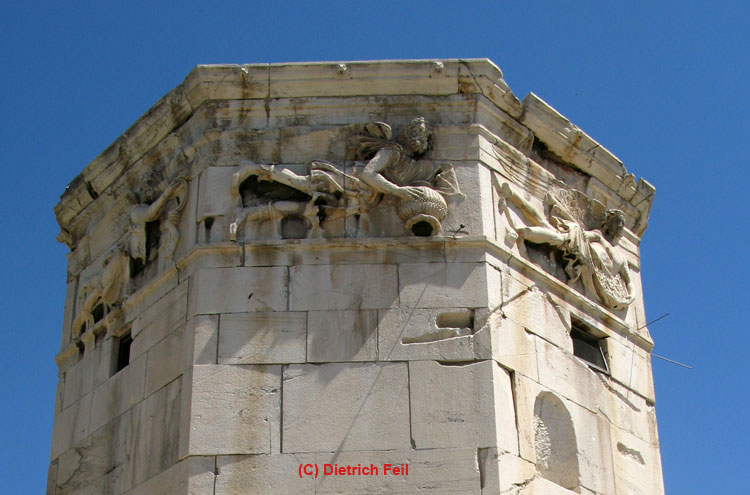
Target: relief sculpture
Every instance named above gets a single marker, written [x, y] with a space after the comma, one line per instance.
[586, 234]
[149, 209]
[383, 167]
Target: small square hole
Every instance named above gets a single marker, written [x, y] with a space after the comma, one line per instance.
[122, 352]
[588, 347]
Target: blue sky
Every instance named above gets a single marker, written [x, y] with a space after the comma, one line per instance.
[663, 85]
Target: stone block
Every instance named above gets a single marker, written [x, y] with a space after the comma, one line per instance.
[628, 411]
[322, 111]
[530, 308]
[467, 405]
[71, 426]
[201, 341]
[262, 338]
[443, 285]
[214, 198]
[339, 407]
[630, 365]
[59, 390]
[432, 471]
[362, 79]
[187, 224]
[331, 287]
[68, 314]
[51, 478]
[567, 375]
[417, 334]
[473, 211]
[541, 486]
[79, 379]
[217, 255]
[584, 433]
[156, 433]
[349, 335]
[239, 114]
[226, 82]
[159, 319]
[637, 464]
[121, 392]
[191, 476]
[82, 470]
[164, 361]
[266, 474]
[238, 290]
[502, 471]
[514, 347]
[299, 144]
[145, 297]
[234, 409]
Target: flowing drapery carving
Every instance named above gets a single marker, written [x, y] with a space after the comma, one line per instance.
[327, 192]
[586, 234]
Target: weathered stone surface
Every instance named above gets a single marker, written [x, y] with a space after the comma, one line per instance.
[226, 82]
[202, 340]
[631, 366]
[628, 411]
[361, 78]
[70, 426]
[79, 380]
[443, 285]
[164, 361]
[159, 319]
[567, 375]
[266, 474]
[238, 290]
[81, 471]
[234, 409]
[467, 405]
[538, 313]
[342, 335]
[432, 471]
[339, 407]
[213, 195]
[541, 486]
[637, 465]
[502, 471]
[156, 436]
[514, 347]
[330, 287]
[258, 338]
[119, 393]
[414, 334]
[191, 476]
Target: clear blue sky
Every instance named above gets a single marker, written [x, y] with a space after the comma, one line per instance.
[664, 85]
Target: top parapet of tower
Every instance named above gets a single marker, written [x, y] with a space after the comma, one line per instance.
[270, 82]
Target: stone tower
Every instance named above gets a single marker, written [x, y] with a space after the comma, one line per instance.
[367, 277]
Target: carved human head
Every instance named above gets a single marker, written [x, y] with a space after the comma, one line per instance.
[614, 225]
[416, 137]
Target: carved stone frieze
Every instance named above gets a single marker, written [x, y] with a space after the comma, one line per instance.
[586, 235]
[107, 288]
[165, 209]
[299, 204]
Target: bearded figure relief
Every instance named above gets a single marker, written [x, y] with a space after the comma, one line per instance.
[383, 167]
[587, 236]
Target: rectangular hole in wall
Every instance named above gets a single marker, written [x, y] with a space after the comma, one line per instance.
[588, 347]
[122, 352]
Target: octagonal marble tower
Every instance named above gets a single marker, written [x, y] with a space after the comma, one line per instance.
[365, 277]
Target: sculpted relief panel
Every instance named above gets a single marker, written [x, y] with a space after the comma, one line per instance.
[584, 233]
[384, 169]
